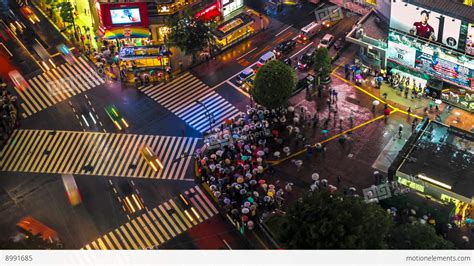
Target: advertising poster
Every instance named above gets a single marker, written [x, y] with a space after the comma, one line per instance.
[470, 40]
[426, 24]
[125, 15]
[402, 54]
[443, 69]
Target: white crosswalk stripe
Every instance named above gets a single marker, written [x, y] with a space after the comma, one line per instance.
[58, 84]
[182, 97]
[109, 154]
[152, 229]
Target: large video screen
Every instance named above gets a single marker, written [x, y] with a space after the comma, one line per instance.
[444, 69]
[428, 25]
[125, 15]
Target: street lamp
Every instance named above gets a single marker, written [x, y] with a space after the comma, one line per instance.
[209, 115]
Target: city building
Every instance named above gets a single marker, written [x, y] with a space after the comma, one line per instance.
[436, 163]
[429, 41]
[120, 19]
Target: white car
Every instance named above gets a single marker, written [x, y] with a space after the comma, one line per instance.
[326, 41]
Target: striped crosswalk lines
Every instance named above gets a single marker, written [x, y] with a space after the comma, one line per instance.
[58, 84]
[155, 227]
[94, 153]
[193, 101]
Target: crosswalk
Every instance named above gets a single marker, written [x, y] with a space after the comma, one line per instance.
[94, 153]
[185, 97]
[155, 227]
[58, 84]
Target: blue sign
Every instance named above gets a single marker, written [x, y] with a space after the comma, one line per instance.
[443, 69]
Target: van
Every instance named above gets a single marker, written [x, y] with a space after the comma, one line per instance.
[265, 58]
[308, 32]
[245, 75]
[326, 41]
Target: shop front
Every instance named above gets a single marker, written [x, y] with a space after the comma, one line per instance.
[144, 57]
[449, 73]
[232, 31]
[440, 193]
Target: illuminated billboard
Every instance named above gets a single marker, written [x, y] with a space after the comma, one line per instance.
[443, 69]
[125, 15]
[429, 25]
[401, 53]
[470, 40]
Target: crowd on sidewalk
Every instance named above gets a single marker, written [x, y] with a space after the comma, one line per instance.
[8, 111]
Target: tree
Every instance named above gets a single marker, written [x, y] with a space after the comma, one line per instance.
[190, 35]
[274, 84]
[332, 221]
[65, 11]
[322, 64]
[416, 236]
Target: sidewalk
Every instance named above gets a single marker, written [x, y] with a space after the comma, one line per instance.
[84, 19]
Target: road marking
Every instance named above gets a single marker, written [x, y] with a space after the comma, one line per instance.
[304, 48]
[283, 30]
[152, 229]
[225, 242]
[246, 94]
[282, 38]
[247, 53]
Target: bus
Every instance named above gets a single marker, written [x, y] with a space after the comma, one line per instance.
[72, 191]
[36, 228]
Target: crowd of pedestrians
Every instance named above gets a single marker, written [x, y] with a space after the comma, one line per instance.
[8, 111]
[234, 163]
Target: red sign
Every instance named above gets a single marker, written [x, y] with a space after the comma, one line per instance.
[210, 12]
[105, 17]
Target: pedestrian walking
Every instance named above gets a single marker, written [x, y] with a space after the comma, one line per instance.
[413, 126]
[409, 112]
[386, 114]
[334, 93]
[338, 180]
[315, 120]
[400, 130]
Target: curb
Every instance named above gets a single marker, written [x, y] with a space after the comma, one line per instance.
[50, 21]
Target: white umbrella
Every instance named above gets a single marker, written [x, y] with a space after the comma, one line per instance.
[375, 102]
[286, 150]
[438, 101]
[277, 154]
[315, 176]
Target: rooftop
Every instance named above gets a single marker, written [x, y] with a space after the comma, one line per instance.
[445, 154]
[375, 30]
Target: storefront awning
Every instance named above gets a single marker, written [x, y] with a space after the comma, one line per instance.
[130, 32]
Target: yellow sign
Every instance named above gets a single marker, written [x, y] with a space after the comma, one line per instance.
[447, 198]
[411, 184]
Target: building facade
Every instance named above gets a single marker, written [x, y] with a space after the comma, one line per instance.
[117, 19]
[430, 41]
